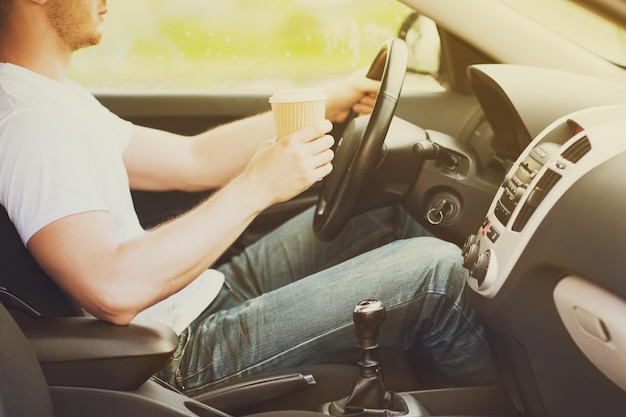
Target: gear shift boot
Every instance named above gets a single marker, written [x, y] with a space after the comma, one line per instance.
[369, 397]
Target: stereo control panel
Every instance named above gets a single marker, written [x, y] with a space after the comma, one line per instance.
[557, 157]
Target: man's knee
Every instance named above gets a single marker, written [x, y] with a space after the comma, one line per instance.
[434, 260]
[437, 250]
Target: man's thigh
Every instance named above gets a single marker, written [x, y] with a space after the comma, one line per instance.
[292, 251]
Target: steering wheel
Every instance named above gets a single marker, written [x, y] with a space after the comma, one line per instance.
[358, 150]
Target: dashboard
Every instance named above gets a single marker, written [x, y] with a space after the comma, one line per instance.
[545, 264]
[521, 101]
[518, 103]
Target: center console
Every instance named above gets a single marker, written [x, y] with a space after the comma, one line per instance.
[546, 268]
[566, 151]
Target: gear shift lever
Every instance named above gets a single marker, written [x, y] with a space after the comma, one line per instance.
[368, 315]
[368, 397]
[368, 391]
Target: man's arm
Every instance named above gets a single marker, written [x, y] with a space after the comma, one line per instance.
[116, 281]
[159, 161]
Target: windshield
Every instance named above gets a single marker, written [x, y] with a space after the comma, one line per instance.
[580, 25]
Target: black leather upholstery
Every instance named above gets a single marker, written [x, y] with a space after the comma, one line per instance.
[23, 387]
[22, 277]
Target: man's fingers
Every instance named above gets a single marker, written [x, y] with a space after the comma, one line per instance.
[321, 144]
[323, 171]
[312, 132]
[323, 158]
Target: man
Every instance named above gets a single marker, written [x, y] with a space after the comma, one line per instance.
[66, 165]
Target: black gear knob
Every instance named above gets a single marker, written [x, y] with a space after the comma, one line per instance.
[368, 315]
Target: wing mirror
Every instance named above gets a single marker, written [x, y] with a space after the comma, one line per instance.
[421, 35]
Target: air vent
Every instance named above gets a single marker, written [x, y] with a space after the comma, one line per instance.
[577, 150]
[535, 197]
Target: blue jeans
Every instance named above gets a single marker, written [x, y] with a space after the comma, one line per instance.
[288, 301]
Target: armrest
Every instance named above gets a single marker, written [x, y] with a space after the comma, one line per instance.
[87, 352]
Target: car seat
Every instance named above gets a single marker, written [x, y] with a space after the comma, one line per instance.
[23, 281]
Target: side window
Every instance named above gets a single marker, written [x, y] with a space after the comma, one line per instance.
[239, 44]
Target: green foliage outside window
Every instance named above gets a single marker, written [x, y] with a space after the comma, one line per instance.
[233, 44]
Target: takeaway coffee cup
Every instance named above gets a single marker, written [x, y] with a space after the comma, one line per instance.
[296, 109]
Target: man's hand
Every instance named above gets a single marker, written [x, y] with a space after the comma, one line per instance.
[357, 94]
[283, 169]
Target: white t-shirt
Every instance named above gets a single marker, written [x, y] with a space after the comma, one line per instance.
[61, 154]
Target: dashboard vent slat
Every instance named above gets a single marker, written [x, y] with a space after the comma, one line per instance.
[536, 196]
[577, 150]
